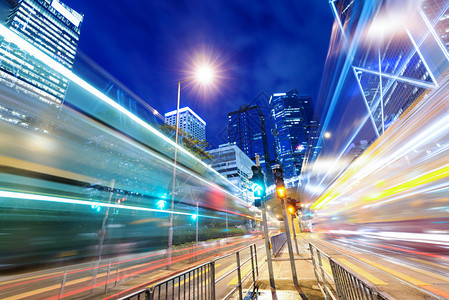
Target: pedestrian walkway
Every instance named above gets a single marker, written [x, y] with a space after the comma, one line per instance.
[285, 289]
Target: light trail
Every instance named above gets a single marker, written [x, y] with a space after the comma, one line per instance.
[24, 45]
[36, 197]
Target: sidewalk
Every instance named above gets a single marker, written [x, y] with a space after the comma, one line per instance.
[308, 288]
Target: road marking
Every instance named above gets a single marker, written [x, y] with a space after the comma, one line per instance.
[191, 277]
[29, 278]
[383, 268]
[326, 266]
[429, 262]
[226, 270]
[444, 278]
[409, 279]
[362, 272]
[235, 280]
[43, 290]
[58, 286]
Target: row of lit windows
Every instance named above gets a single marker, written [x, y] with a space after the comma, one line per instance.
[43, 22]
[48, 44]
[33, 77]
[55, 24]
[29, 89]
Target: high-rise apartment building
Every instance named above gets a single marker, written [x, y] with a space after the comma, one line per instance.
[292, 120]
[189, 122]
[53, 28]
[247, 130]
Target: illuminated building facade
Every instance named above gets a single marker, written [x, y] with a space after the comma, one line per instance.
[247, 130]
[235, 165]
[53, 28]
[189, 122]
[292, 118]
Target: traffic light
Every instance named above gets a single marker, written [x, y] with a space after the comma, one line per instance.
[258, 185]
[291, 206]
[279, 181]
[298, 205]
[281, 192]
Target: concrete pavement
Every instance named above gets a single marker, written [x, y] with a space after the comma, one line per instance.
[285, 289]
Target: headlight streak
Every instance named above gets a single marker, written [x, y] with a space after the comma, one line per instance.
[431, 133]
[10, 36]
[404, 236]
[35, 197]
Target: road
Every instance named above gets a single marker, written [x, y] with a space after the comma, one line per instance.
[143, 270]
[398, 270]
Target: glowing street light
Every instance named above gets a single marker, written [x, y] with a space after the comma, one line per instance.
[203, 75]
[327, 135]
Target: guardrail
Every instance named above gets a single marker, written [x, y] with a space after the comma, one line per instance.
[277, 241]
[341, 283]
[199, 282]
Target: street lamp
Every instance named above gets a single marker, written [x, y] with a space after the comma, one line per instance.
[203, 75]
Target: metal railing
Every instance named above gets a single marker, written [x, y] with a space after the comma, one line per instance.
[254, 271]
[199, 282]
[196, 283]
[277, 241]
[340, 283]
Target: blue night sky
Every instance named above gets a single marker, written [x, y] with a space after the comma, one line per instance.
[265, 45]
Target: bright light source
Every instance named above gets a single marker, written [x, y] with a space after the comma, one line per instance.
[268, 207]
[300, 148]
[194, 217]
[327, 135]
[205, 74]
[281, 192]
[161, 204]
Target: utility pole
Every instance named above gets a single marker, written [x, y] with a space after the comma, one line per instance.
[281, 192]
[267, 242]
[294, 234]
[289, 243]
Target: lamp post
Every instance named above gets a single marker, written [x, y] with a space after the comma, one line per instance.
[204, 75]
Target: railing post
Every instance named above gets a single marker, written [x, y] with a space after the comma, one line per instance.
[252, 264]
[337, 280]
[212, 280]
[323, 276]
[257, 265]
[150, 293]
[239, 275]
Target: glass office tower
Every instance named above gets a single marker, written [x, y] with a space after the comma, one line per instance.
[291, 120]
[247, 129]
[53, 28]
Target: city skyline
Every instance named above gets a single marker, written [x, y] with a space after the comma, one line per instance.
[243, 44]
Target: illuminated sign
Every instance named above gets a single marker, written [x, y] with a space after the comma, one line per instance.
[70, 15]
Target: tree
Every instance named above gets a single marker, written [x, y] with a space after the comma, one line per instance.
[195, 146]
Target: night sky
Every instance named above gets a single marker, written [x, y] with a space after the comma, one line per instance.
[265, 45]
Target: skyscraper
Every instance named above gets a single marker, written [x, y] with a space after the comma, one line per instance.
[292, 119]
[50, 26]
[189, 122]
[247, 129]
[235, 165]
